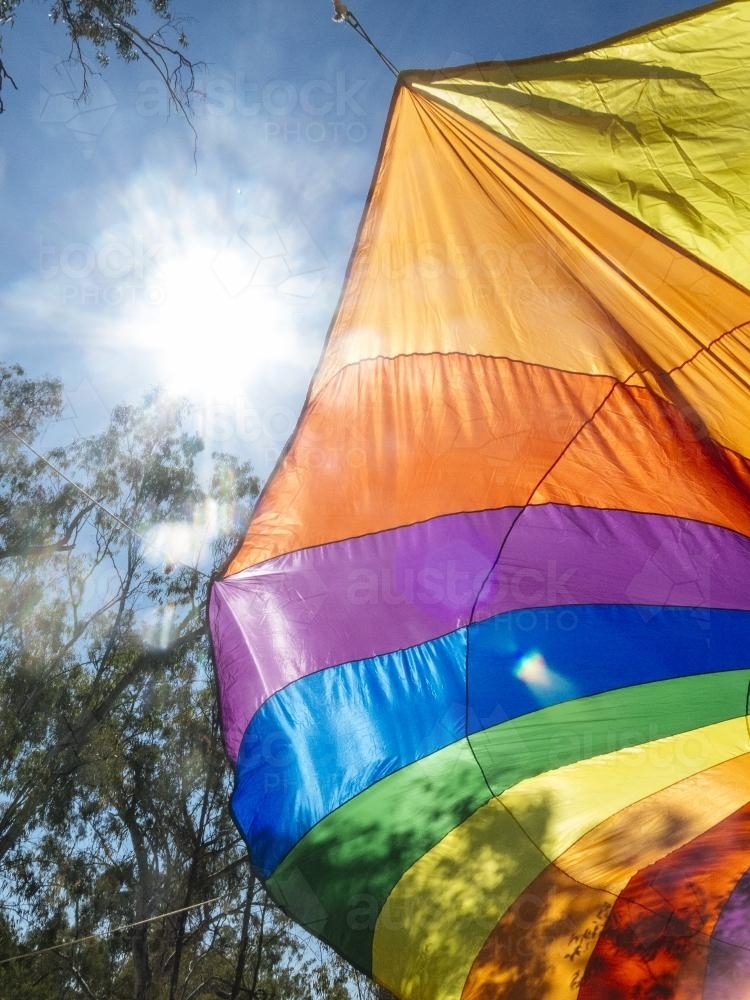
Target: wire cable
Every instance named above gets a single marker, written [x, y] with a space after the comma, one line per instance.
[109, 934]
[342, 15]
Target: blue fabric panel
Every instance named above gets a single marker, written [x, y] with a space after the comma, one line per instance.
[523, 661]
[323, 739]
[326, 737]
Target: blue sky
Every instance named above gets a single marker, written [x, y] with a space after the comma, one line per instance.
[124, 265]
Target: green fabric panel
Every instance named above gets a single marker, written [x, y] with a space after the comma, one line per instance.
[589, 727]
[338, 876]
[655, 122]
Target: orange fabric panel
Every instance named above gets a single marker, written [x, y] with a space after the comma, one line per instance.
[472, 245]
[609, 856]
[542, 945]
[394, 442]
[450, 259]
[658, 934]
[641, 453]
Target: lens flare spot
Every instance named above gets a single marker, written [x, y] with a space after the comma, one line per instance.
[546, 684]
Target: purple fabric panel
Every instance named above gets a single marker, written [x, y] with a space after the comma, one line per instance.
[560, 555]
[239, 677]
[346, 601]
[371, 595]
[728, 971]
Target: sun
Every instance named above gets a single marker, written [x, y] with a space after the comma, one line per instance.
[204, 342]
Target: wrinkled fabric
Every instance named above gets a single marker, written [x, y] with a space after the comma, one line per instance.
[482, 656]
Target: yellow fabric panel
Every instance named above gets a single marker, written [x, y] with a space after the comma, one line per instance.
[445, 906]
[557, 807]
[655, 122]
[683, 328]
[441, 911]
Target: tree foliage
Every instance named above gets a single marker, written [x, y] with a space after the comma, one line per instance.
[125, 28]
[114, 827]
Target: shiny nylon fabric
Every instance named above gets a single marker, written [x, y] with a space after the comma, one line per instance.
[483, 654]
[651, 122]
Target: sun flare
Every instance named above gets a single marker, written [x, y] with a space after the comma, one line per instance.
[205, 342]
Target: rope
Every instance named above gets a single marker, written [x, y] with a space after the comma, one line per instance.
[97, 503]
[111, 933]
[342, 14]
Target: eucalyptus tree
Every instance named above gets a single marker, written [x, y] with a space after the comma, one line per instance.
[113, 783]
[122, 876]
[127, 29]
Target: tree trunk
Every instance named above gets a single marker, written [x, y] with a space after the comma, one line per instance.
[139, 938]
[242, 948]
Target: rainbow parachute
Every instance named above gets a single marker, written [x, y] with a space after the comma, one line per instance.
[484, 655]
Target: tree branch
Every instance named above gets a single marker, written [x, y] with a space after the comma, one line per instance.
[57, 757]
[5, 75]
